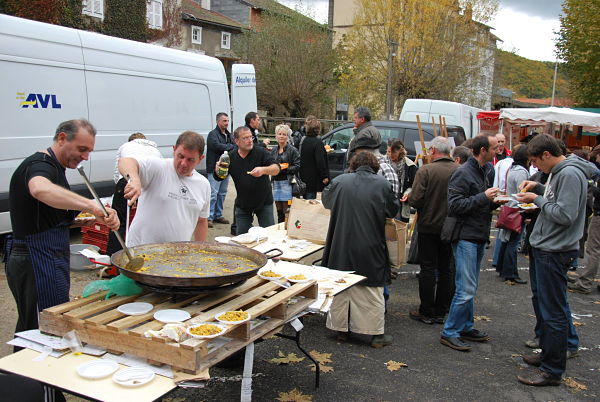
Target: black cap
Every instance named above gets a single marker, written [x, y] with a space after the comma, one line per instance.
[366, 142]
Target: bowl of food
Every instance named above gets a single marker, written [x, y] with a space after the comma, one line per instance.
[269, 274]
[298, 278]
[232, 317]
[527, 206]
[206, 330]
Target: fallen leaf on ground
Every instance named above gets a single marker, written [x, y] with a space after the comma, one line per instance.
[509, 283]
[393, 366]
[515, 355]
[294, 396]
[597, 302]
[322, 358]
[363, 356]
[283, 359]
[322, 368]
[571, 383]
[482, 318]
[398, 314]
[578, 323]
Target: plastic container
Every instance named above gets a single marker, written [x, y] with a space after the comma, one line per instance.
[77, 261]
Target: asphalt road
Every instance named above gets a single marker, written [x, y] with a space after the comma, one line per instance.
[434, 372]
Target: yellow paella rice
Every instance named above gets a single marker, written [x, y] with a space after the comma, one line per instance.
[299, 277]
[205, 330]
[270, 274]
[238, 315]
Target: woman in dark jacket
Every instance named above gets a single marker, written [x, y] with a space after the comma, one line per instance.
[288, 159]
[314, 169]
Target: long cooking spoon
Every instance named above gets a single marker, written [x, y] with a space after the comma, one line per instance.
[135, 263]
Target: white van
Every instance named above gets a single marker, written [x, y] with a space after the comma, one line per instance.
[456, 114]
[49, 74]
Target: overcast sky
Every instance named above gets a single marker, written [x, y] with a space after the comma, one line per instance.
[525, 26]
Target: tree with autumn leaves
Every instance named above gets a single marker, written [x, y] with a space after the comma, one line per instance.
[442, 47]
[579, 46]
[295, 64]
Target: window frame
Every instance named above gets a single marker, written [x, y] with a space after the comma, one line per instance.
[150, 13]
[88, 8]
[225, 34]
[199, 40]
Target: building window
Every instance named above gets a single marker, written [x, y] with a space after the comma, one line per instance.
[225, 40]
[94, 8]
[154, 14]
[197, 35]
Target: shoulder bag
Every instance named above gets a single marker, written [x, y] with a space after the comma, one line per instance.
[509, 218]
[298, 186]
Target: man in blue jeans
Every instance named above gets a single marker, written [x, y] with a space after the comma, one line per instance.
[218, 141]
[250, 167]
[470, 201]
[555, 243]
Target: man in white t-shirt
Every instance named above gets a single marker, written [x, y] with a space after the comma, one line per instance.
[174, 197]
[137, 146]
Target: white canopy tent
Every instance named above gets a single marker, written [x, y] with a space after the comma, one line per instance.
[557, 115]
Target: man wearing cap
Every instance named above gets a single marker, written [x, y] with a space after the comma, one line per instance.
[368, 144]
[363, 128]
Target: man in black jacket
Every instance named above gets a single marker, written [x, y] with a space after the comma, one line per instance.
[356, 242]
[470, 200]
[219, 140]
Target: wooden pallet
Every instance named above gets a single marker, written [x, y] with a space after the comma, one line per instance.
[98, 322]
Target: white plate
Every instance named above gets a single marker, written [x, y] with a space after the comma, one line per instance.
[136, 308]
[97, 369]
[269, 278]
[308, 278]
[171, 315]
[133, 376]
[222, 239]
[206, 336]
[522, 206]
[230, 322]
[503, 198]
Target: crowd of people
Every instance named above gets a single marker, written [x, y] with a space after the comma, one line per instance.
[454, 195]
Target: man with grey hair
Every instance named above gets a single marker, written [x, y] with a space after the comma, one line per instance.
[42, 208]
[430, 197]
[362, 128]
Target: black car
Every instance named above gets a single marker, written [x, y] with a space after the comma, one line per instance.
[408, 131]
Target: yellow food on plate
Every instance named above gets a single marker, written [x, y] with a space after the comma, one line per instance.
[205, 330]
[270, 274]
[233, 316]
[299, 277]
[530, 205]
[84, 215]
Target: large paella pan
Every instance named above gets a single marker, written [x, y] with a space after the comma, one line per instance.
[192, 264]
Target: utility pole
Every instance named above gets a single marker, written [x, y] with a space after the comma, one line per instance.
[392, 48]
[554, 83]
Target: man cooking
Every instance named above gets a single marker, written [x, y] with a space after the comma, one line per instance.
[42, 209]
[174, 197]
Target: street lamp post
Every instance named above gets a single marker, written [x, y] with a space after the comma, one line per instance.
[392, 48]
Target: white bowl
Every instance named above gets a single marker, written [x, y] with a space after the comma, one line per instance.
[206, 336]
[230, 322]
[171, 315]
[97, 369]
[308, 278]
[269, 278]
[137, 308]
[133, 376]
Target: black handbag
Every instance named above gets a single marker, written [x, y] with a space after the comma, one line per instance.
[450, 230]
[413, 251]
[298, 186]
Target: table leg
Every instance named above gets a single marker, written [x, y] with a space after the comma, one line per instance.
[296, 338]
[246, 393]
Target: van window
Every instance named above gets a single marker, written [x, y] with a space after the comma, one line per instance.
[340, 139]
[387, 133]
[411, 136]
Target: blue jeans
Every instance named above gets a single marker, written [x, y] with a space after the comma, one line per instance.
[507, 257]
[218, 191]
[310, 195]
[496, 251]
[467, 259]
[244, 219]
[548, 273]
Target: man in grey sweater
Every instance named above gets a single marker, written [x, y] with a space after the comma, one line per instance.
[363, 128]
[555, 243]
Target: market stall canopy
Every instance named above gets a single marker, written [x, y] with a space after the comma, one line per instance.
[553, 115]
[488, 115]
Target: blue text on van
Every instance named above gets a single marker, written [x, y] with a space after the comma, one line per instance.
[44, 101]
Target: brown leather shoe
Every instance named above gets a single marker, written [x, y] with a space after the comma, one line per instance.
[532, 360]
[538, 378]
[210, 224]
[221, 220]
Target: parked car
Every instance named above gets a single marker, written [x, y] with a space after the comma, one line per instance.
[408, 131]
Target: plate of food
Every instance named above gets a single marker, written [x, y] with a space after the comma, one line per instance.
[232, 317]
[171, 315]
[527, 206]
[502, 198]
[85, 216]
[269, 274]
[298, 278]
[206, 330]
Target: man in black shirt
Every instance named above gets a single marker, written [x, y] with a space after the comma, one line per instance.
[250, 167]
[218, 141]
[42, 209]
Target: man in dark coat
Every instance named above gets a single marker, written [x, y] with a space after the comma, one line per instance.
[356, 242]
[218, 141]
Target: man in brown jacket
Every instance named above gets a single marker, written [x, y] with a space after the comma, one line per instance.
[430, 197]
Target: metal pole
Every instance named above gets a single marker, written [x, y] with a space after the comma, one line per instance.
[390, 70]
[554, 83]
